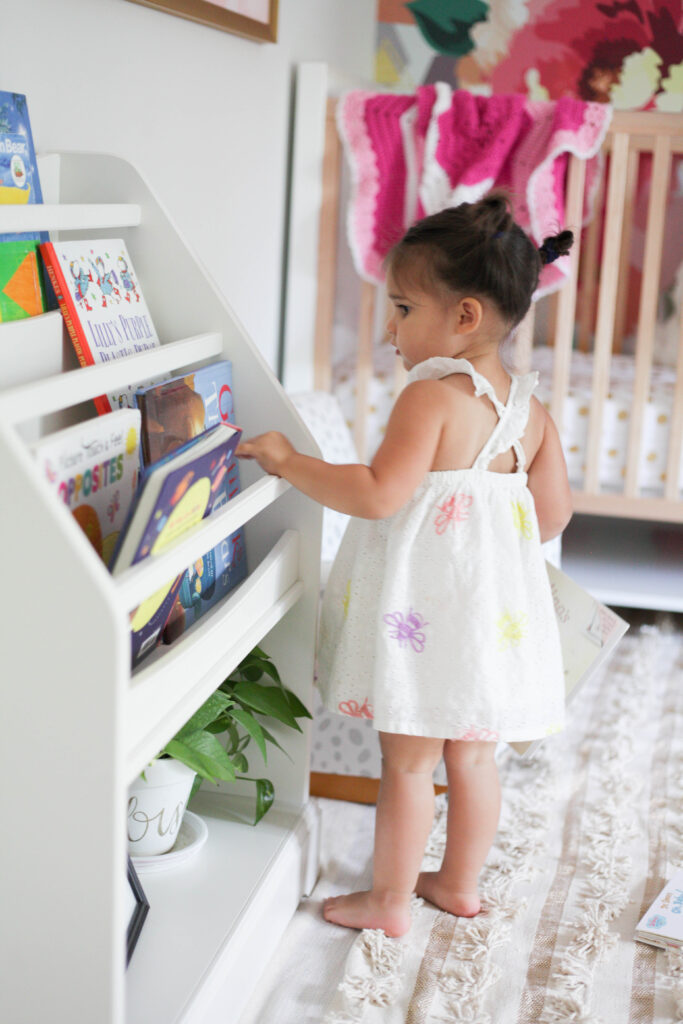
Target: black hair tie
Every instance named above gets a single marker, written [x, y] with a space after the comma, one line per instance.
[550, 250]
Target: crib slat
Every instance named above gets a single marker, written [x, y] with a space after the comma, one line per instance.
[589, 270]
[647, 314]
[616, 193]
[327, 253]
[566, 302]
[625, 259]
[673, 461]
[364, 367]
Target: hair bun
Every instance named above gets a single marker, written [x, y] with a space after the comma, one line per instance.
[492, 214]
[555, 246]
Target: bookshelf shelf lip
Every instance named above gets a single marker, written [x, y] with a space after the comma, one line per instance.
[69, 217]
[64, 389]
[135, 584]
[159, 700]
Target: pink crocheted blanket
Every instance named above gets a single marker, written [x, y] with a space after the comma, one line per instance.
[412, 155]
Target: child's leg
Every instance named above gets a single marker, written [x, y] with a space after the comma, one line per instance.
[405, 809]
[473, 812]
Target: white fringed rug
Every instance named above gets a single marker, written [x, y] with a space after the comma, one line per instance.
[591, 829]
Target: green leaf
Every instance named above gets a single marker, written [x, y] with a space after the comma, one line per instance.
[298, 709]
[267, 700]
[233, 734]
[270, 670]
[446, 24]
[216, 727]
[202, 752]
[271, 739]
[248, 722]
[265, 793]
[252, 673]
[210, 710]
[240, 763]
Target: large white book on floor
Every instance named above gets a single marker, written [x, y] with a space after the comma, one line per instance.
[589, 632]
[662, 924]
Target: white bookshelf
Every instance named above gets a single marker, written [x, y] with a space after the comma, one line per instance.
[79, 726]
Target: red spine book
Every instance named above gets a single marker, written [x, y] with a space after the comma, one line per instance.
[102, 304]
[68, 309]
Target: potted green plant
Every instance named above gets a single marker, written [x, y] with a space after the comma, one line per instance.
[211, 745]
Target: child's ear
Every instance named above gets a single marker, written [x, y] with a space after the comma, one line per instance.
[469, 313]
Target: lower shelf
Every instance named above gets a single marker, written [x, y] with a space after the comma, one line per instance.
[214, 922]
[626, 562]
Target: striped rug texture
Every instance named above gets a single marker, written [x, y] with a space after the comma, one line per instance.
[591, 829]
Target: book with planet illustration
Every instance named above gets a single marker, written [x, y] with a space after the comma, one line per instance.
[174, 494]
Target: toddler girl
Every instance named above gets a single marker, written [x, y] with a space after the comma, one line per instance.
[438, 620]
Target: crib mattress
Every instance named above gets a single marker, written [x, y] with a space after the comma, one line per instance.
[656, 426]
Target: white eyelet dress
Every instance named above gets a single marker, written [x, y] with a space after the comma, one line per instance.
[439, 620]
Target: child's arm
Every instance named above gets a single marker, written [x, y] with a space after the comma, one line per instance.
[549, 484]
[370, 492]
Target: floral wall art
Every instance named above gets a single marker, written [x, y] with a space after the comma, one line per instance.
[625, 52]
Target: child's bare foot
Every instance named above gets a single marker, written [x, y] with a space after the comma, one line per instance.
[431, 887]
[389, 912]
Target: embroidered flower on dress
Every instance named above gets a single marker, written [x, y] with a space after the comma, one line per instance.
[522, 519]
[453, 510]
[479, 734]
[356, 710]
[512, 629]
[346, 598]
[407, 630]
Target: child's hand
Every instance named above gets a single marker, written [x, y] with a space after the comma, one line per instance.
[270, 450]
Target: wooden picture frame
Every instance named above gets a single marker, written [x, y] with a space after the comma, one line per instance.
[138, 907]
[218, 15]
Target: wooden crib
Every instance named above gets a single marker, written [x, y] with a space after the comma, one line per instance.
[642, 567]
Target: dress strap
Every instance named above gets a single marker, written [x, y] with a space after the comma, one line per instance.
[512, 417]
[511, 425]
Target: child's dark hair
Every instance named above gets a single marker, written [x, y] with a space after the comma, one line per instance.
[477, 249]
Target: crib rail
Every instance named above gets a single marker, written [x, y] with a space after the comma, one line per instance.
[590, 310]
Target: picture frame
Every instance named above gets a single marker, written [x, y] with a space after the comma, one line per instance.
[137, 906]
[224, 15]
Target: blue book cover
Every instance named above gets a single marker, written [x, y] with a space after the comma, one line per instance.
[175, 493]
[19, 181]
[172, 413]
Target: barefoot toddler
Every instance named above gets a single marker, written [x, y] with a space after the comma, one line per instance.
[437, 620]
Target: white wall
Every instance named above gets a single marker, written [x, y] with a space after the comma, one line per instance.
[203, 114]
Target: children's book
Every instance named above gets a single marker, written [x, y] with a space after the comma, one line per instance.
[589, 632]
[102, 303]
[662, 924]
[21, 282]
[173, 413]
[94, 468]
[19, 181]
[174, 494]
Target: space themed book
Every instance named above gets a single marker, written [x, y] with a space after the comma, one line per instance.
[101, 300]
[19, 181]
[175, 493]
[172, 413]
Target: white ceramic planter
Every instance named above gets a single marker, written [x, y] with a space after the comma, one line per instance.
[156, 805]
